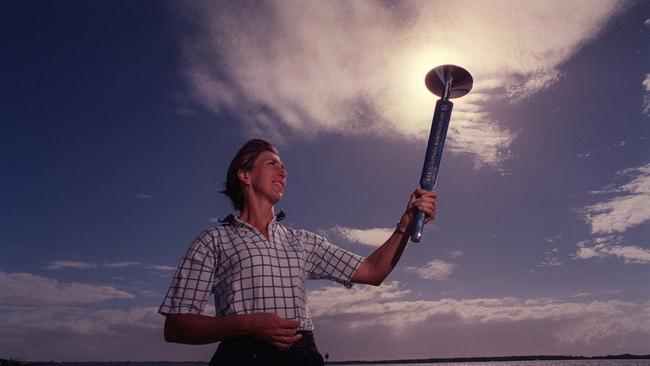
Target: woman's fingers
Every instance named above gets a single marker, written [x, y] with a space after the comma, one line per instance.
[270, 328]
[286, 335]
[420, 200]
[426, 204]
[284, 342]
[420, 192]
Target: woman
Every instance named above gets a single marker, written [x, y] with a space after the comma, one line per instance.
[257, 270]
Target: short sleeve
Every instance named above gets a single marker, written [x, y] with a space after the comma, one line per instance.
[327, 261]
[194, 278]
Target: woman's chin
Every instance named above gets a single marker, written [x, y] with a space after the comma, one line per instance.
[277, 198]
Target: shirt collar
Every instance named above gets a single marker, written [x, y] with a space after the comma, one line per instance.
[234, 221]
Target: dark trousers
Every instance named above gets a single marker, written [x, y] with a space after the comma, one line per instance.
[248, 351]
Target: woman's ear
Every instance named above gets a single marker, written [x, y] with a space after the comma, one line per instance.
[244, 177]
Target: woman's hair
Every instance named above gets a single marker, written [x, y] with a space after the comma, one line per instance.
[245, 159]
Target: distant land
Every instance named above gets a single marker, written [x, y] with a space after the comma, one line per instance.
[495, 359]
[15, 362]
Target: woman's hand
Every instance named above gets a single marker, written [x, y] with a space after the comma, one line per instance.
[421, 200]
[270, 328]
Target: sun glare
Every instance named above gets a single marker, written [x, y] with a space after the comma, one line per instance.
[419, 62]
[416, 101]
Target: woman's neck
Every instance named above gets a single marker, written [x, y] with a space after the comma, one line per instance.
[259, 217]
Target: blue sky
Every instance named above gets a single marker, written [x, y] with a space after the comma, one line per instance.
[119, 120]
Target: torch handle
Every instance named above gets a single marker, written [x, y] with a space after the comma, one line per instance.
[432, 158]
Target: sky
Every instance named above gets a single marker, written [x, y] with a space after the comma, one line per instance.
[119, 120]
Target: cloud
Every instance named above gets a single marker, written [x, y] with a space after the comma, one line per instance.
[162, 268]
[536, 82]
[65, 333]
[434, 270]
[143, 196]
[361, 323]
[324, 301]
[611, 246]
[389, 304]
[372, 237]
[550, 262]
[70, 264]
[358, 67]
[554, 239]
[121, 264]
[646, 97]
[551, 256]
[582, 294]
[354, 322]
[629, 208]
[630, 253]
[456, 254]
[78, 320]
[30, 289]
[57, 265]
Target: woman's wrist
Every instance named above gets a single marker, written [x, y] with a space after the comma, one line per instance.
[243, 323]
[401, 229]
[404, 223]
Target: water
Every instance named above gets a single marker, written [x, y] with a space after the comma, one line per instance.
[501, 363]
[525, 363]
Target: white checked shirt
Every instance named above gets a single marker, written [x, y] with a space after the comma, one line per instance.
[249, 274]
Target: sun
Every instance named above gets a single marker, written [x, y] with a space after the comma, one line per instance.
[413, 101]
[420, 61]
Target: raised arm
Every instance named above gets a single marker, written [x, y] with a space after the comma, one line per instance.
[376, 267]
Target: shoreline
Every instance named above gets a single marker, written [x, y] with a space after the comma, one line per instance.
[14, 362]
[493, 359]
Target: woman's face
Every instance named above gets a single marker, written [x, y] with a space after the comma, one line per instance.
[268, 177]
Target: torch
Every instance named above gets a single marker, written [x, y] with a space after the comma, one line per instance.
[446, 81]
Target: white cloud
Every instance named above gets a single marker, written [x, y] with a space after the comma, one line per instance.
[78, 320]
[434, 270]
[30, 289]
[358, 67]
[456, 254]
[611, 246]
[554, 239]
[630, 253]
[582, 294]
[534, 83]
[331, 298]
[56, 265]
[551, 256]
[473, 311]
[121, 264]
[364, 322]
[450, 327]
[586, 253]
[143, 196]
[629, 208]
[372, 237]
[162, 268]
[550, 262]
[65, 333]
[646, 96]
[70, 264]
